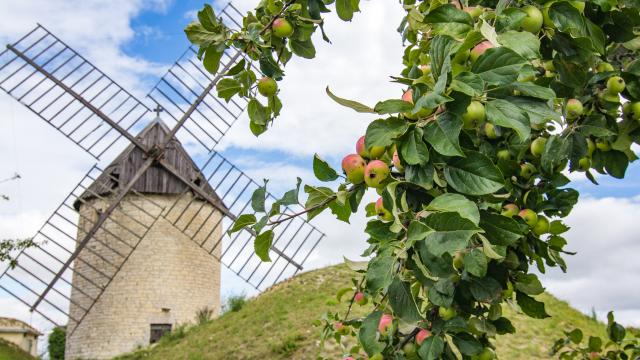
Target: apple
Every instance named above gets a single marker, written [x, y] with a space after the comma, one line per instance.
[635, 110]
[479, 49]
[584, 164]
[574, 108]
[542, 226]
[354, 167]
[383, 214]
[578, 5]
[591, 147]
[526, 170]
[603, 145]
[549, 66]
[349, 358]
[377, 356]
[594, 356]
[447, 313]
[422, 335]
[458, 260]
[361, 149]
[529, 216]
[537, 146]
[426, 69]
[486, 354]
[340, 328]
[510, 210]
[604, 67]
[474, 11]
[282, 28]
[511, 260]
[615, 85]
[267, 86]
[385, 324]
[375, 173]
[490, 131]
[409, 350]
[533, 22]
[360, 298]
[508, 292]
[474, 115]
[504, 154]
[408, 96]
[373, 153]
[396, 162]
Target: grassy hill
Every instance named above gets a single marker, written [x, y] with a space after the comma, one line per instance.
[278, 325]
[9, 351]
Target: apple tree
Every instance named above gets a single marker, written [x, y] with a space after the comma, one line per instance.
[501, 100]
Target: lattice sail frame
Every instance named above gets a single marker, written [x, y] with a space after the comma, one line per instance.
[89, 108]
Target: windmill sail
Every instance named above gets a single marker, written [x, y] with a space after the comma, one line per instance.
[68, 92]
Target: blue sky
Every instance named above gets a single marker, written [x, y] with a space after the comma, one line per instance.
[138, 40]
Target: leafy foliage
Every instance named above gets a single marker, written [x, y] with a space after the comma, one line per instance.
[56, 343]
[501, 101]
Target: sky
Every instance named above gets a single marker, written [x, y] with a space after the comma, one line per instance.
[135, 42]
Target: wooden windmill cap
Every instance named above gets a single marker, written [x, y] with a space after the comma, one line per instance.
[156, 179]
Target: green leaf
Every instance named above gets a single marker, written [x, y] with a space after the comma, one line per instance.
[499, 229]
[262, 244]
[291, 196]
[448, 20]
[431, 348]
[383, 132]
[476, 263]
[368, 334]
[440, 50]
[531, 306]
[322, 170]
[529, 284]
[441, 293]
[485, 289]
[468, 83]
[523, 43]
[451, 233]
[413, 149]
[421, 175]
[474, 174]
[443, 134]
[503, 113]
[257, 112]
[258, 197]
[380, 272]
[392, 106]
[212, 58]
[402, 301]
[417, 231]
[616, 332]
[199, 35]
[379, 230]
[207, 18]
[569, 20]
[467, 344]
[341, 211]
[616, 163]
[450, 202]
[537, 111]
[350, 103]
[556, 150]
[317, 195]
[344, 10]
[533, 90]
[498, 66]
[228, 87]
[241, 222]
[302, 48]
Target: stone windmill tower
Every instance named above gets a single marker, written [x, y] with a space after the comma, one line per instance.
[137, 248]
[169, 277]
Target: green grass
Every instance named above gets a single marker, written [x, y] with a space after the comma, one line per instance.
[278, 325]
[9, 351]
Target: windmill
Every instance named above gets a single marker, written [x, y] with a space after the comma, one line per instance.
[128, 241]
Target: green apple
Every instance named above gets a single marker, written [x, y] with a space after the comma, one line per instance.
[527, 170]
[447, 313]
[549, 66]
[458, 260]
[504, 154]
[360, 298]
[529, 216]
[542, 226]
[604, 67]
[537, 146]
[533, 21]
[584, 164]
[490, 131]
[615, 85]
[510, 210]
[474, 11]
[282, 28]
[508, 292]
[635, 111]
[511, 260]
[474, 116]
[377, 356]
[375, 173]
[603, 145]
[267, 86]
[479, 49]
[546, 19]
[574, 108]
[487, 354]
[354, 166]
[409, 350]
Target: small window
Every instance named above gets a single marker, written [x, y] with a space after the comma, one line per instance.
[158, 331]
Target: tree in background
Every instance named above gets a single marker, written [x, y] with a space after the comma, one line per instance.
[500, 101]
[57, 340]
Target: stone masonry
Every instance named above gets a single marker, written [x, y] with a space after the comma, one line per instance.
[166, 279]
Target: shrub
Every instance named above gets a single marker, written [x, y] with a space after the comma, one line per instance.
[235, 303]
[57, 340]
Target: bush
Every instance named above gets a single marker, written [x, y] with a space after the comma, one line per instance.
[57, 340]
[235, 303]
[204, 315]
